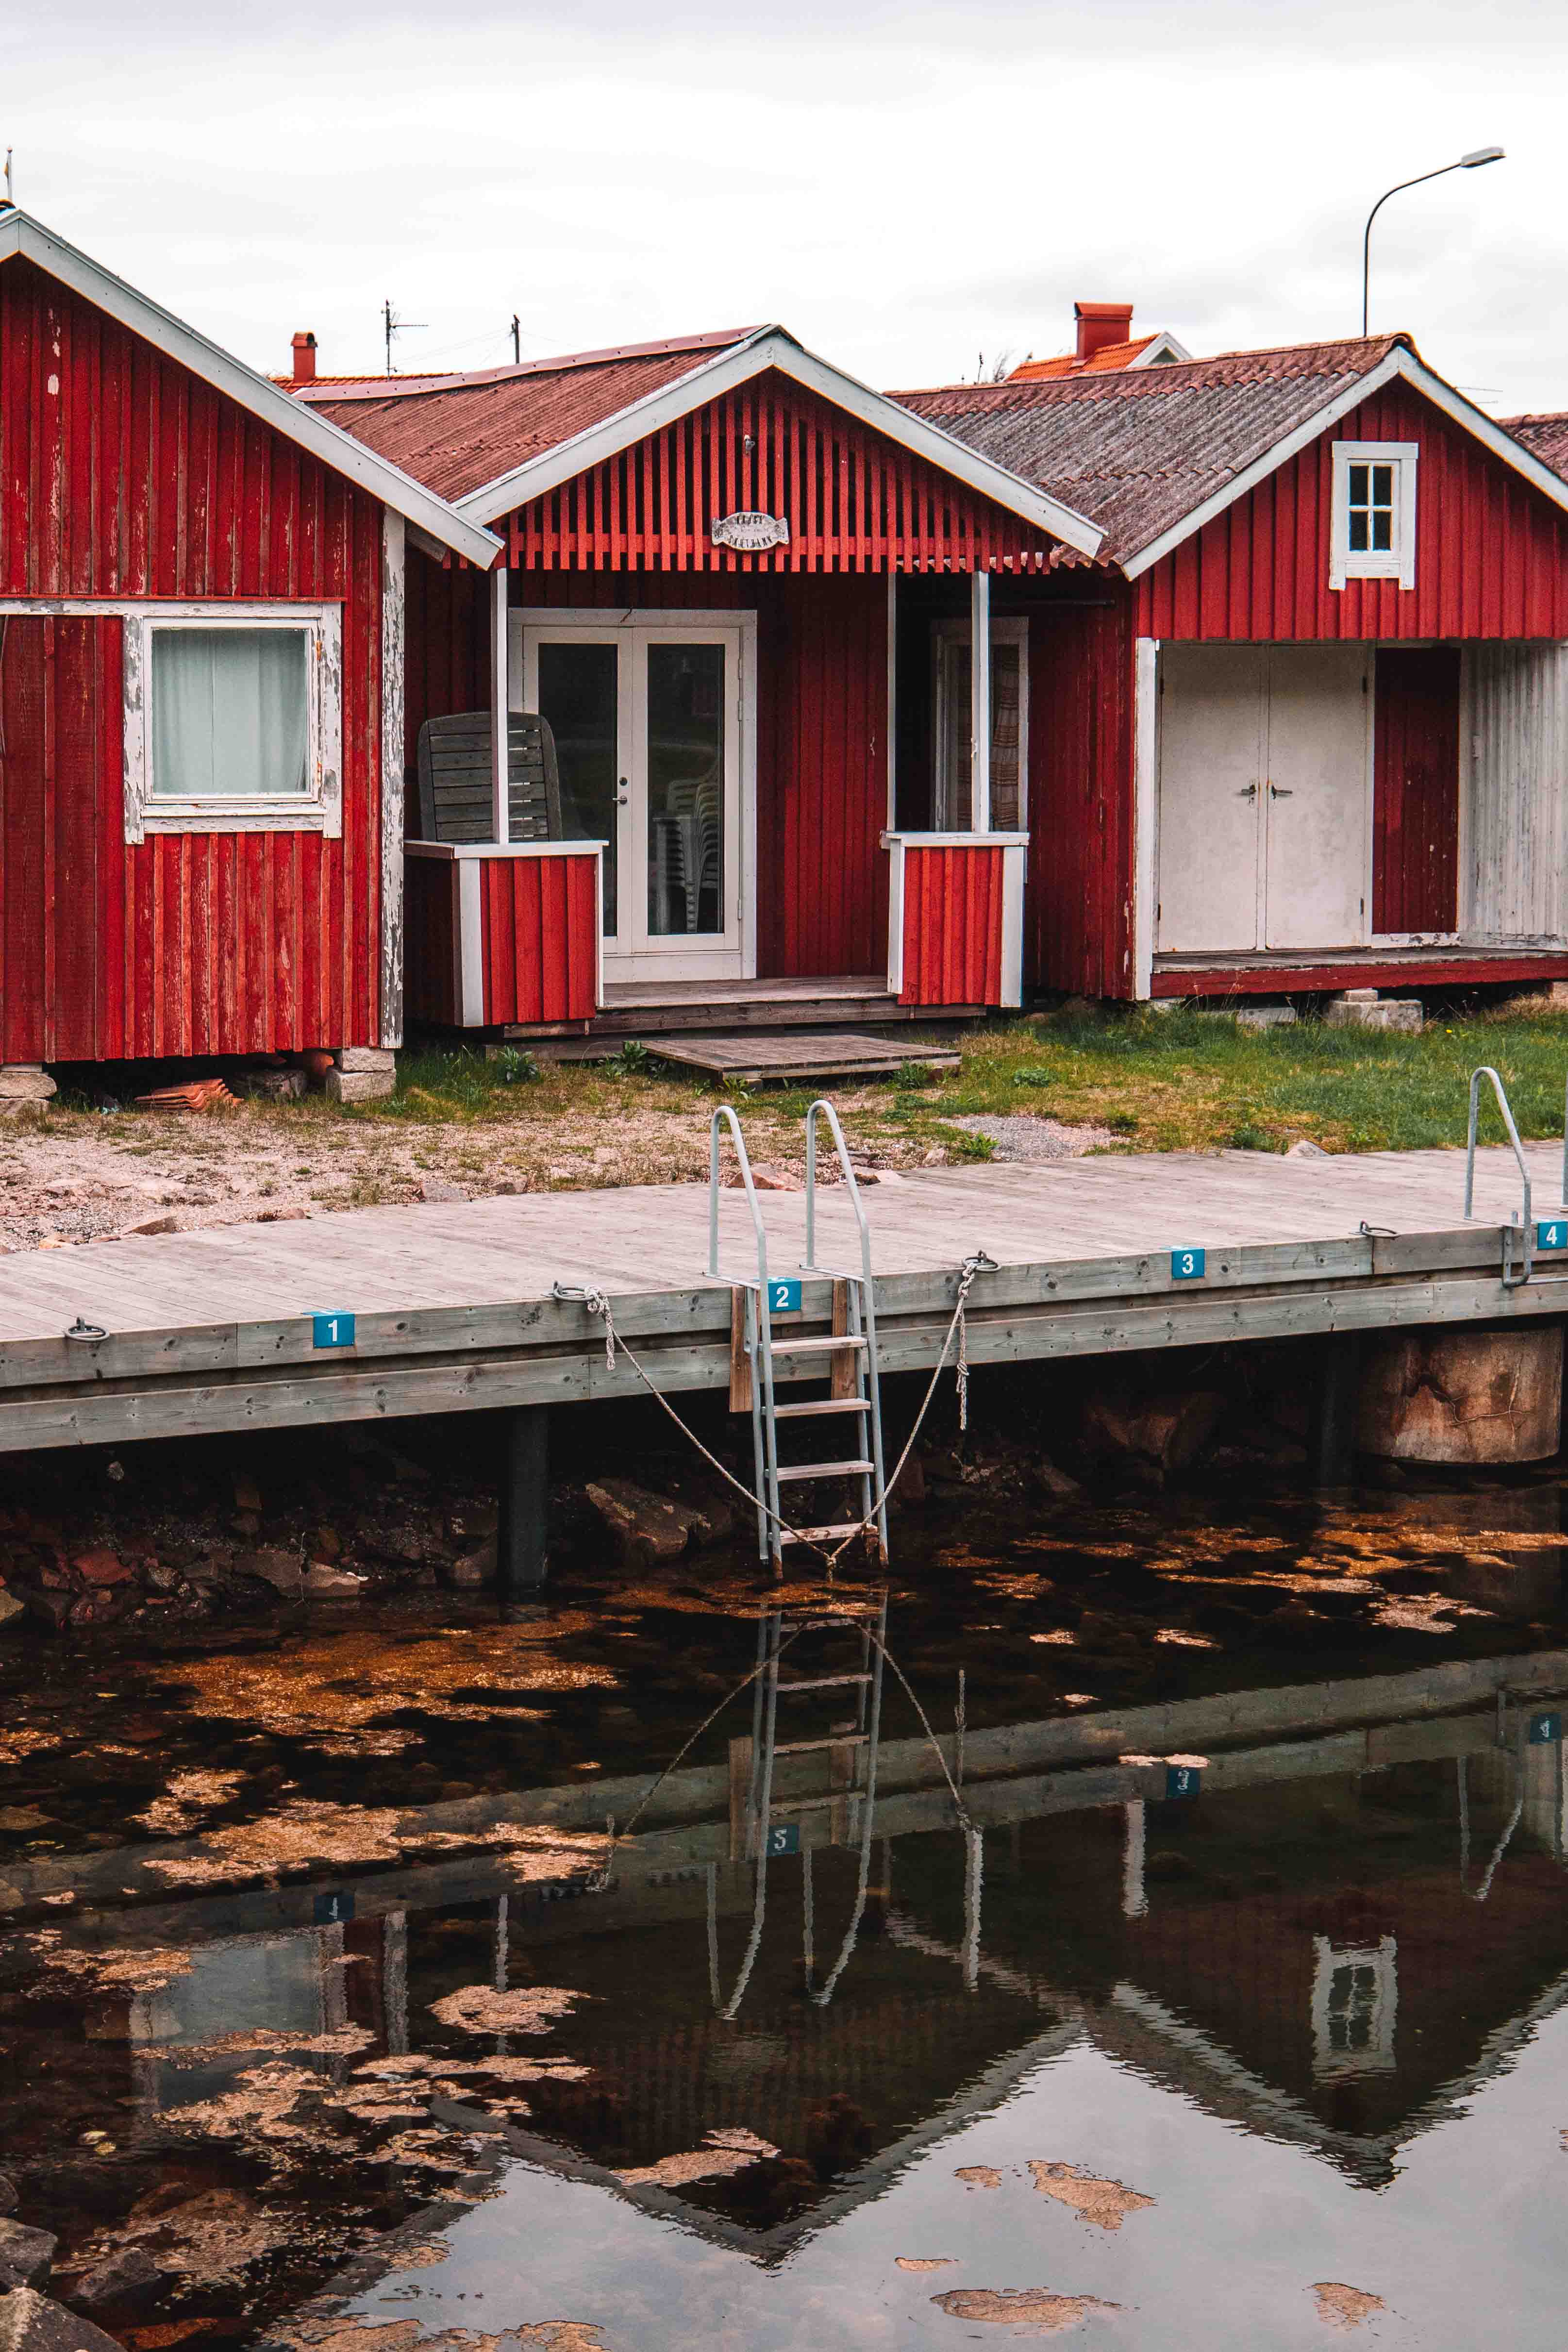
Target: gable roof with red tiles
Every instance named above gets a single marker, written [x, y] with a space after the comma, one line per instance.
[1546, 435]
[1150, 453]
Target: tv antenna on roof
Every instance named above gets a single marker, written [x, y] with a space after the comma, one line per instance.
[394, 325]
[10, 199]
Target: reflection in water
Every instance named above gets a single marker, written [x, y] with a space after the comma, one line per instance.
[837, 2050]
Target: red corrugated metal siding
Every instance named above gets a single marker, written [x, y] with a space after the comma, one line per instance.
[1077, 909]
[952, 927]
[1415, 790]
[429, 941]
[539, 927]
[822, 793]
[1491, 558]
[120, 475]
[855, 500]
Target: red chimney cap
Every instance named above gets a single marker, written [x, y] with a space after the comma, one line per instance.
[1099, 323]
[305, 357]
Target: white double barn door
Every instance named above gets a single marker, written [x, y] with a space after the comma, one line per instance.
[1265, 821]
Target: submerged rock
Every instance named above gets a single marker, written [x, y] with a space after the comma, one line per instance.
[646, 1527]
[123, 2280]
[25, 2255]
[31, 2323]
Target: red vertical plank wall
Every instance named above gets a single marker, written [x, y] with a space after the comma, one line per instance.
[1078, 907]
[822, 755]
[1415, 790]
[952, 927]
[446, 632]
[540, 934]
[121, 475]
[1492, 552]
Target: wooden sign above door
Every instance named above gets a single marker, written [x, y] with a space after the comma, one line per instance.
[749, 532]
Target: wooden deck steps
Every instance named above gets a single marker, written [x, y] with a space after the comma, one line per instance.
[793, 1054]
[455, 1310]
[646, 1009]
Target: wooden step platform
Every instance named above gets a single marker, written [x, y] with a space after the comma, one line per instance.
[790, 1054]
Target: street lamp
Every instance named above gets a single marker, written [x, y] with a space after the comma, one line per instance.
[1476, 156]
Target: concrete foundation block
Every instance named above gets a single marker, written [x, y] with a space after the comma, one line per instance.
[1363, 1009]
[362, 1059]
[26, 1082]
[1266, 1016]
[359, 1086]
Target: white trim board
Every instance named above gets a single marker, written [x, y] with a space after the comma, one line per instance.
[771, 347]
[1399, 363]
[21, 235]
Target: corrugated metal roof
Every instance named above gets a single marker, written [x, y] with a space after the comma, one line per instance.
[1138, 450]
[1546, 436]
[457, 433]
[1108, 357]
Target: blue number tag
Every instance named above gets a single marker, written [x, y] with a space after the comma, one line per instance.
[1544, 1730]
[1553, 1235]
[783, 1298]
[333, 1331]
[1187, 1266]
[785, 1837]
[1183, 1779]
[333, 1910]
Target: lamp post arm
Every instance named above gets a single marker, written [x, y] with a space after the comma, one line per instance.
[1366, 235]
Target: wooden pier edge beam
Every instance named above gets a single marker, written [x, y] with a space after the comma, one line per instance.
[486, 1378]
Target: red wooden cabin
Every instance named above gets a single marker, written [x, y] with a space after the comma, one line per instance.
[742, 589]
[1309, 706]
[200, 690]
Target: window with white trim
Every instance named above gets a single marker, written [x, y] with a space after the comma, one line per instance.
[1373, 519]
[233, 720]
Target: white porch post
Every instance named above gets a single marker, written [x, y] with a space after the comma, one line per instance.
[980, 701]
[500, 711]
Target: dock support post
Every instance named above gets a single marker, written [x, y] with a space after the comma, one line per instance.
[1336, 1394]
[522, 1530]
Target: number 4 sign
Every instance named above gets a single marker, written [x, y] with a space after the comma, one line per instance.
[1552, 1233]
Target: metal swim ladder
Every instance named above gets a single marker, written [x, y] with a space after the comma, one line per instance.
[847, 1355]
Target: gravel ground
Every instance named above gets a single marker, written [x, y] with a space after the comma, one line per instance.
[1022, 1135]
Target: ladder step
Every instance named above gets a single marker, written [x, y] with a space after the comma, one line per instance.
[811, 1747]
[824, 1681]
[823, 1469]
[833, 1342]
[818, 1535]
[822, 1405]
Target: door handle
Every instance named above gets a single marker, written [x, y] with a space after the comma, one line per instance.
[622, 795]
[1281, 793]
[1248, 792]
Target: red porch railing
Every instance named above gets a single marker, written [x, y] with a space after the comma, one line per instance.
[956, 917]
[499, 932]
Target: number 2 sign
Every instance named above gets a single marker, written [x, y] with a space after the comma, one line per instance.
[783, 1298]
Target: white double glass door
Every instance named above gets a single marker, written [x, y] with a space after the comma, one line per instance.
[650, 725]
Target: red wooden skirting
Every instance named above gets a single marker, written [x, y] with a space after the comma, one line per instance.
[952, 927]
[540, 918]
[429, 941]
[131, 478]
[1417, 971]
[855, 501]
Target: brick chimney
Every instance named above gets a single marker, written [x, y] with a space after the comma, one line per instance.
[1099, 323]
[305, 357]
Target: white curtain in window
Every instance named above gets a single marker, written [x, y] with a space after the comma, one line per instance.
[230, 713]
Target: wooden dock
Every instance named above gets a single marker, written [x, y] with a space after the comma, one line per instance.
[453, 1307]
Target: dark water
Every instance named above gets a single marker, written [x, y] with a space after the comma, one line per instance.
[348, 2027]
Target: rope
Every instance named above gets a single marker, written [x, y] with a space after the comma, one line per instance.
[597, 1303]
[1478, 1893]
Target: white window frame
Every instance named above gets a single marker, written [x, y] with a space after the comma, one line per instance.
[1380, 1962]
[1395, 562]
[319, 807]
[1010, 629]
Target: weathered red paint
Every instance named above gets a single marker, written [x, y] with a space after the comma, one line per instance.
[1491, 551]
[1078, 908]
[952, 926]
[539, 931]
[854, 500]
[1414, 971]
[123, 476]
[1415, 790]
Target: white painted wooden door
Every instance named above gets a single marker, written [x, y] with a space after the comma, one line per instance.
[1212, 731]
[1316, 807]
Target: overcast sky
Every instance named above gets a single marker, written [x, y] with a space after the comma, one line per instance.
[903, 186]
